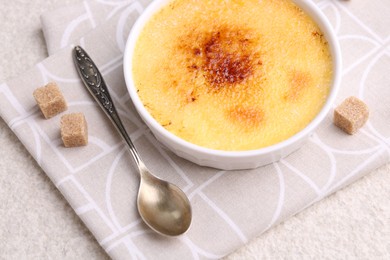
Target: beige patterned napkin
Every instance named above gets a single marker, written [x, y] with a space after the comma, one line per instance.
[100, 182]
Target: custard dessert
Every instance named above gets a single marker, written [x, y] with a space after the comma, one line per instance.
[232, 75]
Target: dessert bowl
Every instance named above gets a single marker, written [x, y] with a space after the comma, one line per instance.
[242, 159]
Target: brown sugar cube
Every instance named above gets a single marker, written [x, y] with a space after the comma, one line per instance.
[50, 100]
[351, 115]
[74, 130]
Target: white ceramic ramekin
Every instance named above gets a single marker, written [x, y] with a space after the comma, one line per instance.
[231, 160]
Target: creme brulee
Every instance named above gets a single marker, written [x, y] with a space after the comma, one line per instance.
[232, 74]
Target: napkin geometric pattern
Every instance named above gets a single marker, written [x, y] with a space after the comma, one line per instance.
[100, 181]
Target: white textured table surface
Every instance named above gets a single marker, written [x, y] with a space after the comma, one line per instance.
[37, 223]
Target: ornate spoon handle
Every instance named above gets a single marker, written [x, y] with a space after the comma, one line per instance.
[94, 82]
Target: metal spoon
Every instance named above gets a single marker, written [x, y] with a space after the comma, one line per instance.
[163, 206]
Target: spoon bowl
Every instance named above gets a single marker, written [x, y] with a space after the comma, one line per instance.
[162, 206]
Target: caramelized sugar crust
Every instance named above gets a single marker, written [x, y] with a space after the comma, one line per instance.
[226, 56]
[232, 75]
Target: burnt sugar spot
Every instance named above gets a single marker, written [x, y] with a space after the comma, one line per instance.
[225, 62]
[225, 56]
[319, 36]
[197, 51]
[191, 96]
[166, 124]
[247, 117]
[298, 82]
